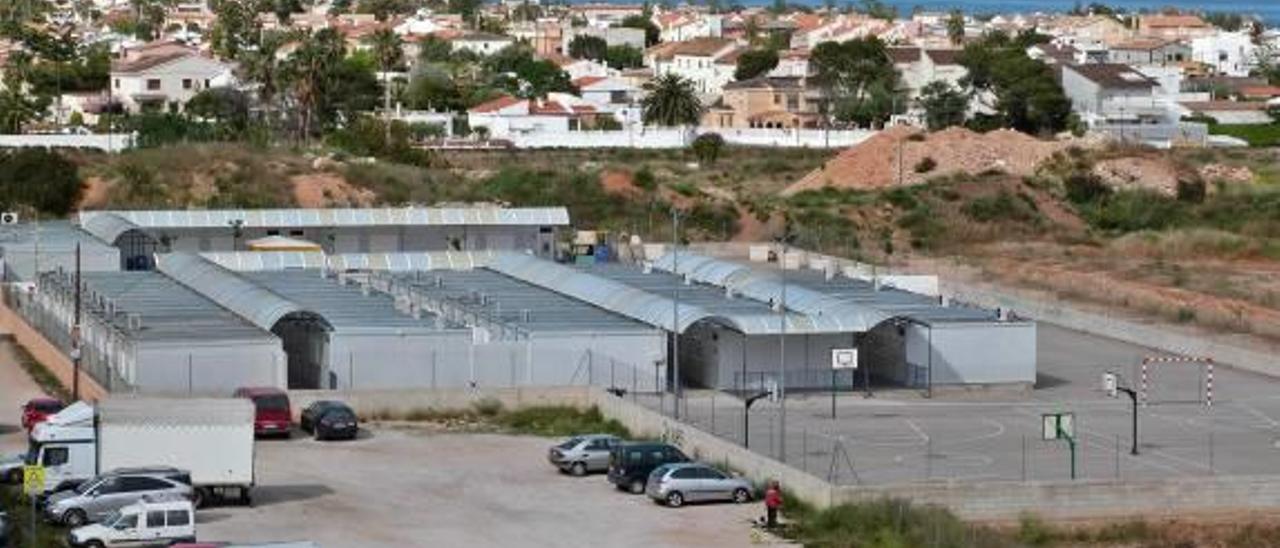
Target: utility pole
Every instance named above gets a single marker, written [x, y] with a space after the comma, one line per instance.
[675, 309]
[782, 351]
[75, 335]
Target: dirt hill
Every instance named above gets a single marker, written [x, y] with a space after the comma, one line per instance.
[906, 156]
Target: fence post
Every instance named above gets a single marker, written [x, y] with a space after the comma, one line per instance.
[713, 413]
[433, 369]
[1024, 457]
[928, 458]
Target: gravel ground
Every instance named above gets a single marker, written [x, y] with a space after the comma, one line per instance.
[408, 487]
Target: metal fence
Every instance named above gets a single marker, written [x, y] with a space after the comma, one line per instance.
[847, 444]
[103, 352]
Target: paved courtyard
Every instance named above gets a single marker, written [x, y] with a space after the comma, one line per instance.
[900, 436]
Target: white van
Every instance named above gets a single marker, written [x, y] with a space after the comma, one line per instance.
[147, 523]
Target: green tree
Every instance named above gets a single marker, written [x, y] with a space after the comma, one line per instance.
[944, 105]
[227, 108]
[433, 49]
[308, 74]
[755, 62]
[585, 46]
[671, 101]
[1027, 96]
[389, 53]
[516, 71]
[468, 9]
[383, 10]
[858, 80]
[236, 28]
[652, 34]
[623, 57]
[433, 89]
[40, 179]
[17, 107]
[955, 27]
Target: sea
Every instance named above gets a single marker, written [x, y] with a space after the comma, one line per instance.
[1266, 10]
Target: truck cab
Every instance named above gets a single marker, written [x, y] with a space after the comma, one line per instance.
[151, 522]
[64, 446]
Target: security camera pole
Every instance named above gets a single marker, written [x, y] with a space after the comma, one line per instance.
[75, 335]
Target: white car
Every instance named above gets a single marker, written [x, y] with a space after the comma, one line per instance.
[151, 522]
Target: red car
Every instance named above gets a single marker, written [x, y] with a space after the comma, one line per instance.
[272, 415]
[37, 410]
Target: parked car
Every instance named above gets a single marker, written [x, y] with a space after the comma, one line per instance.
[272, 416]
[97, 498]
[678, 483]
[631, 463]
[334, 422]
[152, 521]
[582, 454]
[36, 410]
[329, 419]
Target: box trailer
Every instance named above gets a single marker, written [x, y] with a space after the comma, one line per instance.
[210, 438]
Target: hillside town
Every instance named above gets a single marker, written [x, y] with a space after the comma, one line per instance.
[518, 73]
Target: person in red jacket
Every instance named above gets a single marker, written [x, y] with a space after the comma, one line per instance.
[772, 502]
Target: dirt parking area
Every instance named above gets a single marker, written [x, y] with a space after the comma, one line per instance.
[410, 487]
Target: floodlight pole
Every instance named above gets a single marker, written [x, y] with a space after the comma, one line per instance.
[675, 309]
[75, 335]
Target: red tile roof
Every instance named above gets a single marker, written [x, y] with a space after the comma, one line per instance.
[588, 81]
[496, 104]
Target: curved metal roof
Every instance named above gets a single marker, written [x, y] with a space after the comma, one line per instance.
[273, 218]
[768, 287]
[250, 301]
[255, 261]
[106, 226]
[643, 305]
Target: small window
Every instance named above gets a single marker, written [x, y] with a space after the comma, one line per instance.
[153, 84]
[186, 83]
[117, 83]
[155, 518]
[55, 456]
[178, 518]
[295, 233]
[273, 233]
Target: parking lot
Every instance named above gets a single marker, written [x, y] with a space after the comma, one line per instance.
[412, 487]
[408, 487]
[898, 435]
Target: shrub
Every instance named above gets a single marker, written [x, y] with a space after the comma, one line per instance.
[40, 179]
[1002, 205]
[1084, 187]
[1191, 189]
[645, 179]
[707, 147]
[926, 165]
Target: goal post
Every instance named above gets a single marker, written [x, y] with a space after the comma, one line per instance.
[1150, 366]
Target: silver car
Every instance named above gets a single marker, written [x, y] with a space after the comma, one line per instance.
[582, 454]
[95, 499]
[678, 483]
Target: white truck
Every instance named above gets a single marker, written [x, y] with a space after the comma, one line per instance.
[210, 438]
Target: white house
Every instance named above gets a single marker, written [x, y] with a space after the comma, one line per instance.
[481, 43]
[708, 62]
[1114, 94]
[920, 67]
[164, 77]
[681, 26]
[612, 95]
[1229, 53]
[507, 115]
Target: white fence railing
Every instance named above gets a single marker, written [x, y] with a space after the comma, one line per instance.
[679, 138]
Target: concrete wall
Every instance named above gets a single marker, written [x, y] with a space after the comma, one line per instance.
[114, 142]
[398, 402]
[1004, 501]
[973, 352]
[679, 138]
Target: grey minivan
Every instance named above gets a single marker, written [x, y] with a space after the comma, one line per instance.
[678, 483]
[95, 499]
[581, 454]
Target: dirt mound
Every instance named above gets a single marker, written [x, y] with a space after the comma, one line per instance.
[619, 182]
[1158, 174]
[1230, 174]
[94, 194]
[328, 190]
[875, 163]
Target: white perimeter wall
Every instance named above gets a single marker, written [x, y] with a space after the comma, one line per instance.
[680, 138]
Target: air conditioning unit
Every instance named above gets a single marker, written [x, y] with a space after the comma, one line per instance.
[8, 218]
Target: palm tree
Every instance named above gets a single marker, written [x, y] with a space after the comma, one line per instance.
[387, 50]
[671, 101]
[955, 27]
[308, 69]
